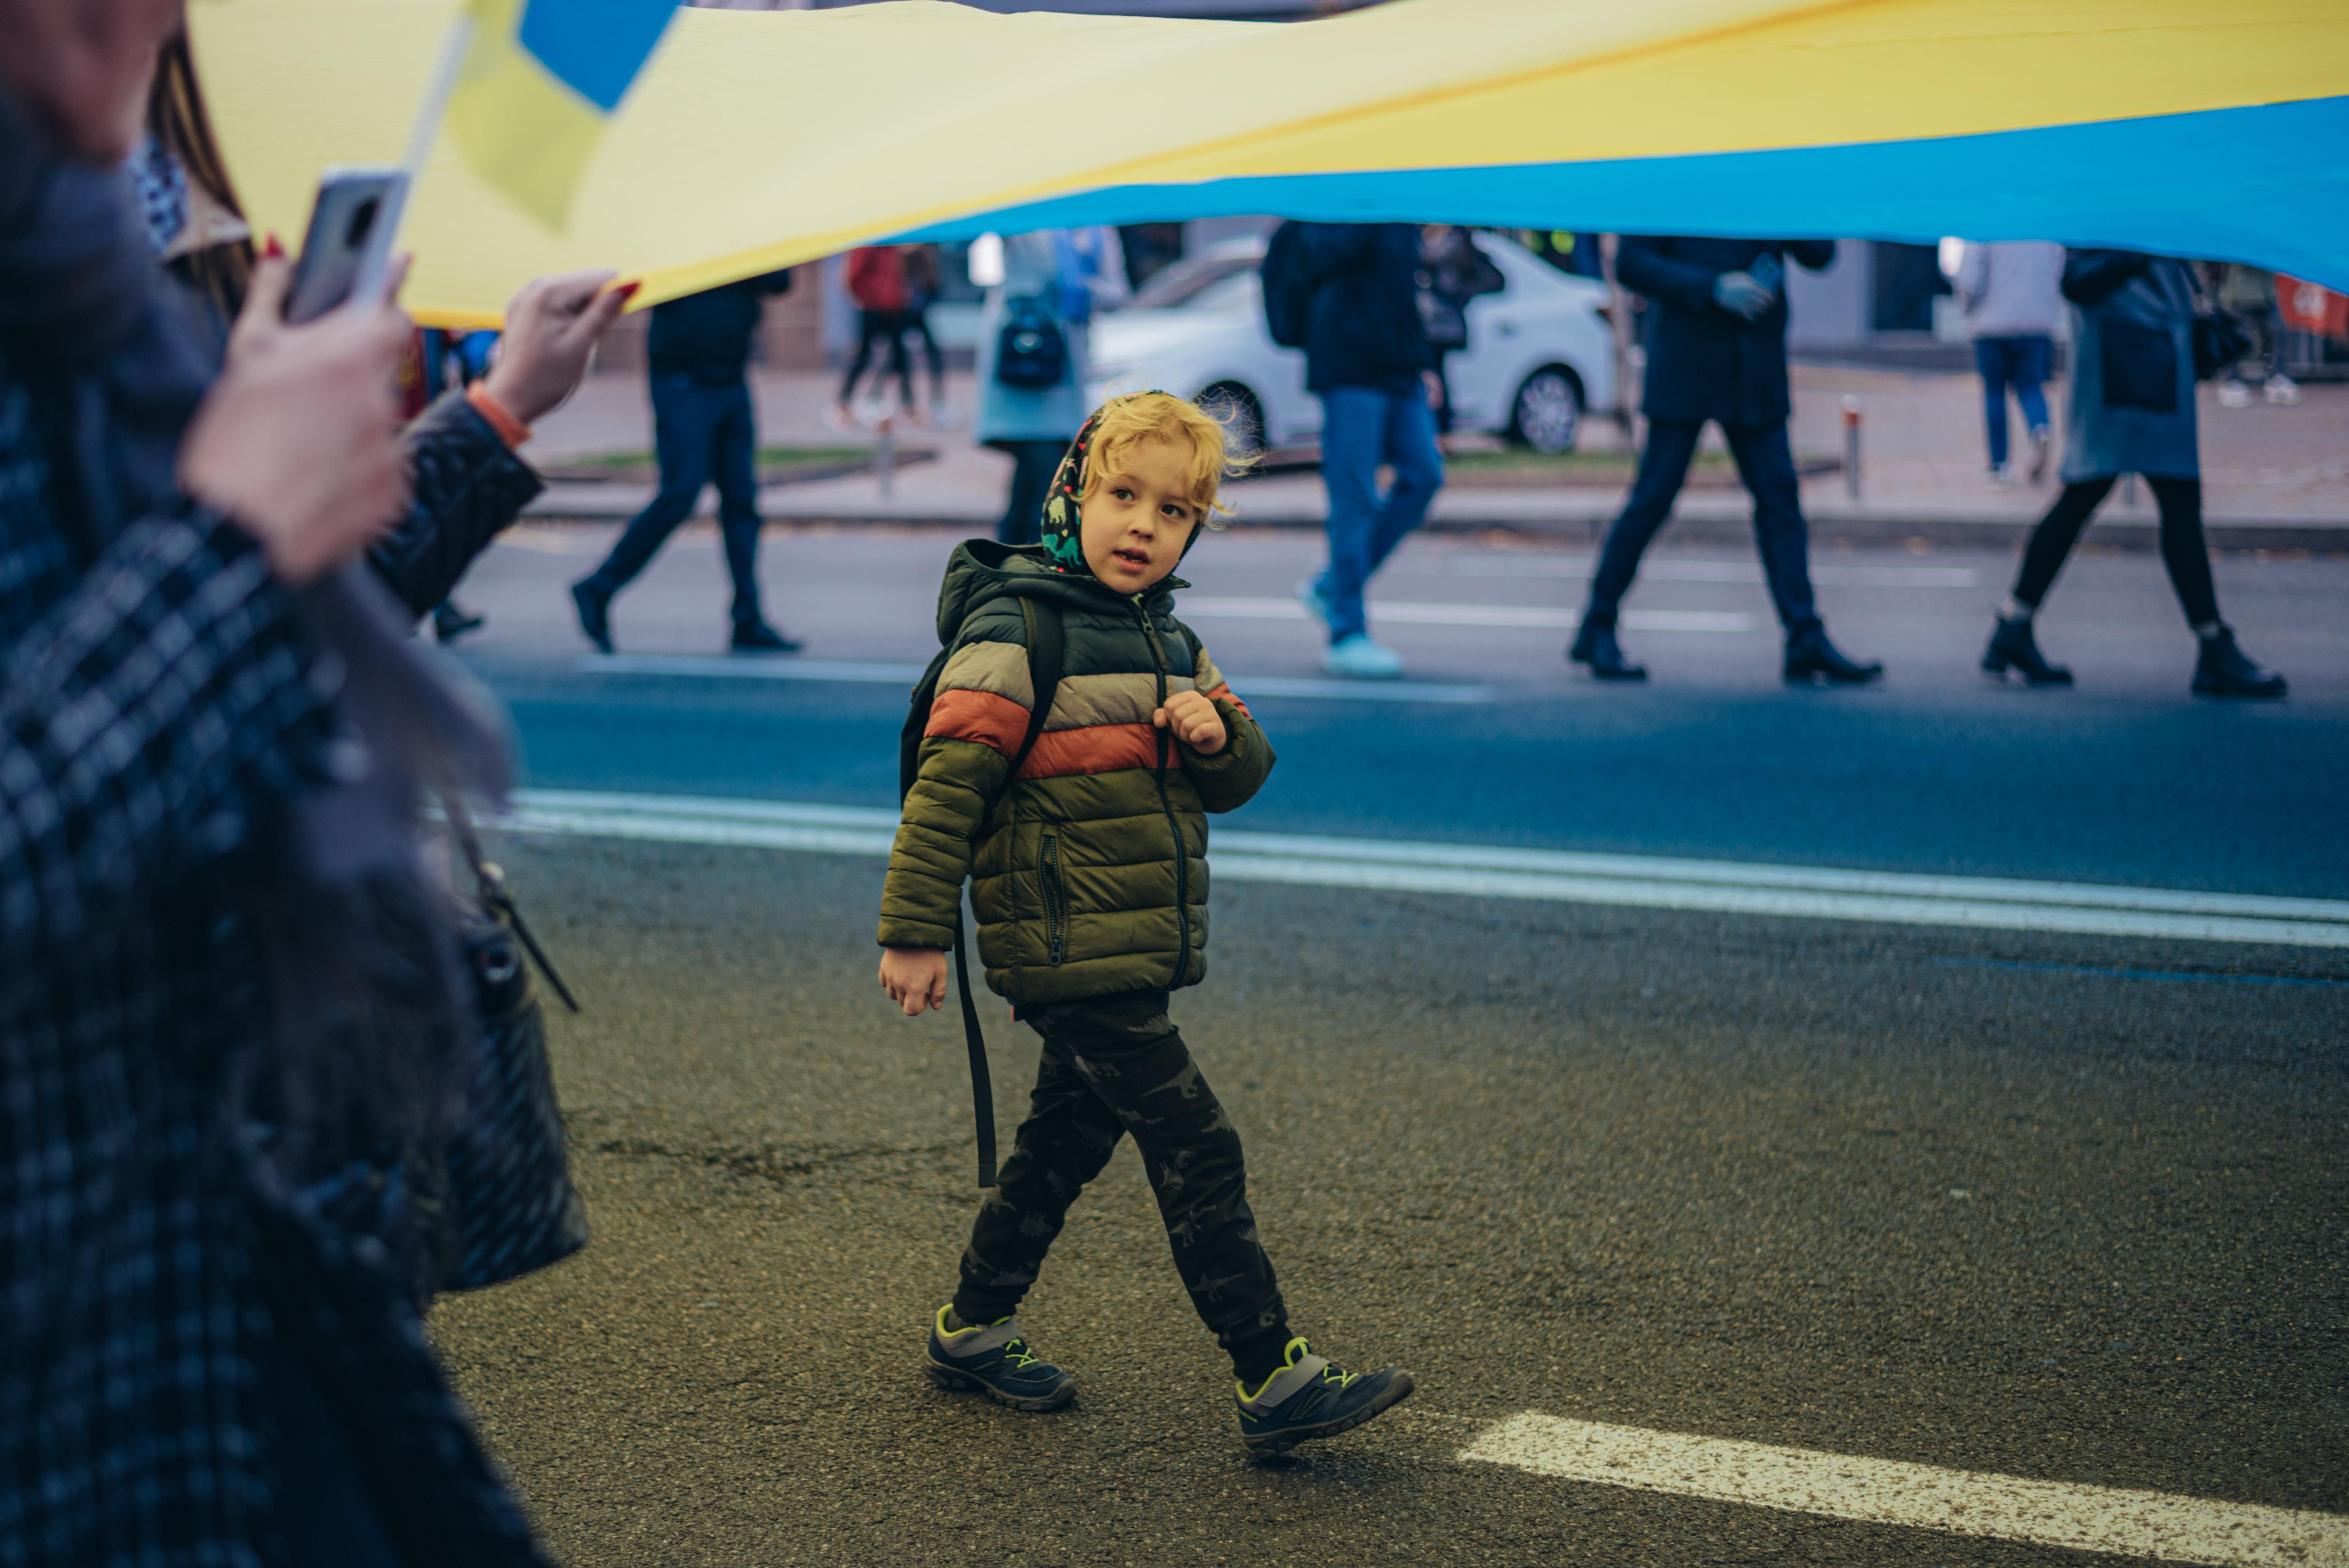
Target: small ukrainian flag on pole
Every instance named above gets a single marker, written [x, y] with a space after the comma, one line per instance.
[539, 79]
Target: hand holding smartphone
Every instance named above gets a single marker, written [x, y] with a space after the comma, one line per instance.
[347, 250]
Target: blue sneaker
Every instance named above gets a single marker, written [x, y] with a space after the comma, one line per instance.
[994, 1359]
[1310, 1398]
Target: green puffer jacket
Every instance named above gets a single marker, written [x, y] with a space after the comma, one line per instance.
[1091, 875]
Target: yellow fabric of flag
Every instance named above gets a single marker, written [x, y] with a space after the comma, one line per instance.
[758, 139]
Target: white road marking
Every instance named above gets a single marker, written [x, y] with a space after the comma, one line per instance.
[1669, 570]
[1536, 617]
[2110, 1520]
[777, 668]
[1732, 887]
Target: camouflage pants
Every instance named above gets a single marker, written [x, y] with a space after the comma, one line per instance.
[1115, 1064]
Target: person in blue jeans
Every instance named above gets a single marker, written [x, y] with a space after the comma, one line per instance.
[2010, 291]
[1716, 351]
[1367, 357]
[699, 354]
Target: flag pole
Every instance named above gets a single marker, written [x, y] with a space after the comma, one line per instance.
[422, 132]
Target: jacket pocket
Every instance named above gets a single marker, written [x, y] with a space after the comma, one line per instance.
[1056, 902]
[2139, 366]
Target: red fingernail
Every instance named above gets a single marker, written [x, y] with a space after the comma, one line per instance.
[628, 291]
[272, 248]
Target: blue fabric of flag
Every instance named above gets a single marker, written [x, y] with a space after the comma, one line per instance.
[594, 47]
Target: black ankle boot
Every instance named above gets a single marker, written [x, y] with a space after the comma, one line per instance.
[1812, 660]
[1597, 646]
[2012, 647]
[2224, 670]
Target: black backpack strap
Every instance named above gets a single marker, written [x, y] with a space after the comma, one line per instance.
[1044, 659]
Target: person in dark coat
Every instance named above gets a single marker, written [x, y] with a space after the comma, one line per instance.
[1716, 350]
[201, 1359]
[2132, 412]
[1368, 358]
[704, 429]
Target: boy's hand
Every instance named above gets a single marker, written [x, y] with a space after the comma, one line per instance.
[915, 977]
[1193, 721]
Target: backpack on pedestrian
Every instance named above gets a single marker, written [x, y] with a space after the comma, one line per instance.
[1031, 351]
[877, 278]
[1044, 660]
[1288, 287]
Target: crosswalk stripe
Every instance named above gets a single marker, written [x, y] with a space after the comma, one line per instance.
[1481, 870]
[2111, 1520]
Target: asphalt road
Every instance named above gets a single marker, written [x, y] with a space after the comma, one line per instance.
[2058, 1207]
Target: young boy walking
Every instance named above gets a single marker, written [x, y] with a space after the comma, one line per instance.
[1089, 881]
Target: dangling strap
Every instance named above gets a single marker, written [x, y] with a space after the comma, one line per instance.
[490, 879]
[1044, 659]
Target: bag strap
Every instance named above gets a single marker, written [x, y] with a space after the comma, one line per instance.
[1045, 656]
[490, 881]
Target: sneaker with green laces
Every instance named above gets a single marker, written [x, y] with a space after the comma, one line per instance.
[1311, 1397]
[993, 1360]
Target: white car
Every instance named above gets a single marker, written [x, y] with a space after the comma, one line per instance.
[1539, 351]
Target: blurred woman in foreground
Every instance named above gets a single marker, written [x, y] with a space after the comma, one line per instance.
[226, 1011]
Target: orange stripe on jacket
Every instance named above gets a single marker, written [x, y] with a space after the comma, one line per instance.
[1095, 749]
[1224, 689]
[981, 716]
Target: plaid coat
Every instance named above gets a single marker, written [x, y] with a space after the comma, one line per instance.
[160, 704]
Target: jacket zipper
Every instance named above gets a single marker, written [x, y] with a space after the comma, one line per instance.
[1173, 829]
[1056, 904]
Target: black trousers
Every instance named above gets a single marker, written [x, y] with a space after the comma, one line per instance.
[701, 434]
[1766, 463]
[1115, 1064]
[1033, 464]
[2182, 550]
[882, 326]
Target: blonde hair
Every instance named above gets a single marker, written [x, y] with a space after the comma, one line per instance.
[1127, 422]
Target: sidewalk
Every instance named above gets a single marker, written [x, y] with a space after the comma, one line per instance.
[2274, 478]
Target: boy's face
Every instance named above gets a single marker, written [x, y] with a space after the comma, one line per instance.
[1134, 525]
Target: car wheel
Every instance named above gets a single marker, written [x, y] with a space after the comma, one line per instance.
[1242, 415]
[1547, 413]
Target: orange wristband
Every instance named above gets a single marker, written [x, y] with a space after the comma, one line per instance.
[511, 430]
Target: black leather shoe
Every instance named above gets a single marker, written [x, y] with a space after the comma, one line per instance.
[1812, 660]
[1597, 646]
[2224, 670]
[758, 637]
[2012, 647]
[451, 620]
[595, 615]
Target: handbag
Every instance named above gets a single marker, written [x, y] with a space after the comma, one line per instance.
[2220, 339]
[509, 1207]
[1031, 351]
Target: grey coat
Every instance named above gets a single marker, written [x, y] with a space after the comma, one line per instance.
[1037, 413]
[2132, 409]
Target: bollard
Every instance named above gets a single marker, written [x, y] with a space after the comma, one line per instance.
[885, 455]
[1851, 447]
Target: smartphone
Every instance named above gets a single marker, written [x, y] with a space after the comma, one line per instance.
[1768, 270]
[347, 248]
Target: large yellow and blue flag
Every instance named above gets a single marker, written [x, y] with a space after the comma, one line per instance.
[540, 79]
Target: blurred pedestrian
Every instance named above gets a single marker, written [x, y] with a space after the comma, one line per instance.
[1367, 358]
[2132, 412]
[2010, 292]
[1042, 288]
[922, 281]
[221, 1012]
[1452, 272]
[1716, 351]
[705, 431]
[877, 283]
[2251, 293]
